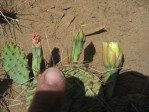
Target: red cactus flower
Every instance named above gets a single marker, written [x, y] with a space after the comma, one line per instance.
[36, 40]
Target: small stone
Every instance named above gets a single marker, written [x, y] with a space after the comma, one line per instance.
[92, 28]
[67, 6]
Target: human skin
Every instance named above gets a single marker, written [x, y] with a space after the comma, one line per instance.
[50, 92]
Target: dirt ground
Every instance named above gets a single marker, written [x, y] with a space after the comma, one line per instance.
[125, 21]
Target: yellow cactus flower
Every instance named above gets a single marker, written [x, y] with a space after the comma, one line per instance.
[112, 54]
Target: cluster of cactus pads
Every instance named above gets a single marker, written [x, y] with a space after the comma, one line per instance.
[81, 83]
[15, 63]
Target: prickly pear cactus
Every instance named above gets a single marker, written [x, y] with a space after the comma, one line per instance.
[16, 66]
[82, 88]
[91, 83]
[15, 63]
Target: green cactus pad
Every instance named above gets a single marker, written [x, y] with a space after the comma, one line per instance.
[82, 87]
[36, 61]
[15, 63]
[30, 92]
[90, 83]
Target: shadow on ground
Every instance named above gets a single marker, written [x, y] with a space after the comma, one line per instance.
[55, 57]
[5, 94]
[132, 82]
[131, 95]
[89, 53]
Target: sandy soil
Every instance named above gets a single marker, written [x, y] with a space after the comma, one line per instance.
[125, 21]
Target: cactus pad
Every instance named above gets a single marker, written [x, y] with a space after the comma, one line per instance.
[82, 87]
[15, 63]
[90, 82]
[30, 92]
